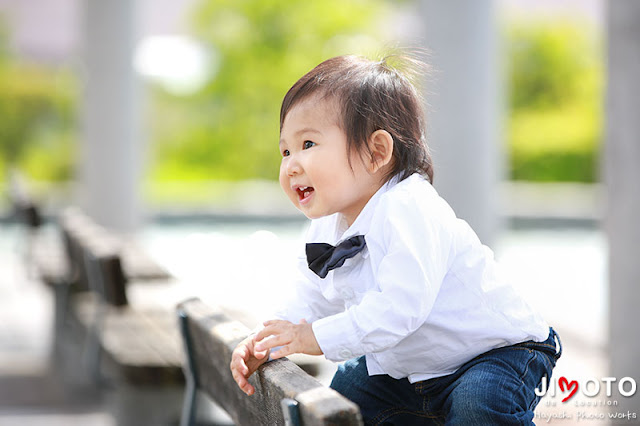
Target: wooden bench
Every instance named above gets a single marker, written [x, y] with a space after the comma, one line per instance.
[99, 337]
[134, 346]
[285, 394]
[58, 261]
[78, 230]
[56, 258]
[25, 212]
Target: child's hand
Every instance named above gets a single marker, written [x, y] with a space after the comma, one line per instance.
[294, 338]
[245, 360]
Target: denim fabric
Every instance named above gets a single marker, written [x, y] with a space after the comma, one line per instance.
[495, 388]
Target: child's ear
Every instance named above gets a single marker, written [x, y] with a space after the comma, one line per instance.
[381, 147]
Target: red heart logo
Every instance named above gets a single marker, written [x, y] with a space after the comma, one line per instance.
[563, 382]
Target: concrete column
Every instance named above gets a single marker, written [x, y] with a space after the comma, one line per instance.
[622, 177]
[463, 112]
[110, 160]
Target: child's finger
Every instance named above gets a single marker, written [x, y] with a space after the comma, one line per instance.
[249, 390]
[237, 366]
[282, 352]
[261, 354]
[277, 332]
[273, 326]
[238, 362]
[268, 330]
[240, 380]
[241, 352]
[243, 383]
[272, 342]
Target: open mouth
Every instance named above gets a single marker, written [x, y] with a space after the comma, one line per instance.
[304, 192]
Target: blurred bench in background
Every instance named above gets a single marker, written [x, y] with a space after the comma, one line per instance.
[100, 337]
[136, 348]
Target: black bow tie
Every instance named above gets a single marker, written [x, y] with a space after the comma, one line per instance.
[323, 257]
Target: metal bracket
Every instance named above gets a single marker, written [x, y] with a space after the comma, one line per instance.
[291, 412]
[188, 416]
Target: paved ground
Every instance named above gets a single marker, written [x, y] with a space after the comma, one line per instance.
[29, 392]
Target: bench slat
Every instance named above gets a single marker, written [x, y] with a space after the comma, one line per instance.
[213, 337]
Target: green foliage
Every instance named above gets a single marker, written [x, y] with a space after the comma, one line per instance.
[555, 85]
[36, 112]
[229, 130]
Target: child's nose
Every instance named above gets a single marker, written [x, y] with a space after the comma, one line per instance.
[293, 166]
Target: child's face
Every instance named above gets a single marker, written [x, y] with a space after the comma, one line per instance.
[315, 172]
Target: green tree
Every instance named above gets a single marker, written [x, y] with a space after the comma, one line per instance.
[36, 112]
[229, 130]
[555, 86]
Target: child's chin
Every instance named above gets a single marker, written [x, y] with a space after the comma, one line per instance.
[311, 215]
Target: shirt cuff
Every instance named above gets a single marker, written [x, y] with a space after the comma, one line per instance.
[337, 337]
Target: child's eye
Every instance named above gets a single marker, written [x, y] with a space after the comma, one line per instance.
[285, 153]
[308, 144]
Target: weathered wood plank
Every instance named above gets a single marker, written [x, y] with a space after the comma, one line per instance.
[140, 346]
[79, 232]
[213, 337]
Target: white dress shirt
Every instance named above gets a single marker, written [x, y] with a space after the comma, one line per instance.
[423, 297]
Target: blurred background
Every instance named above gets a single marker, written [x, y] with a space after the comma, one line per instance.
[160, 119]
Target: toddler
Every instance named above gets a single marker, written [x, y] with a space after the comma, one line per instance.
[392, 283]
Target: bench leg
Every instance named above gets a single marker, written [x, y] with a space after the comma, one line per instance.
[69, 355]
[61, 297]
[188, 417]
[93, 349]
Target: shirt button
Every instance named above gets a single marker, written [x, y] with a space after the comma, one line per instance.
[345, 354]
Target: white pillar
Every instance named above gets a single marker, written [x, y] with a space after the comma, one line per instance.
[110, 161]
[622, 177]
[463, 112]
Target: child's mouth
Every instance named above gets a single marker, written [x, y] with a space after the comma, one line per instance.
[304, 193]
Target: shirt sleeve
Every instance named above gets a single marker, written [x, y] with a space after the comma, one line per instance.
[408, 250]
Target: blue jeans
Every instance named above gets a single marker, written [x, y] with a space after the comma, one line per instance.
[495, 388]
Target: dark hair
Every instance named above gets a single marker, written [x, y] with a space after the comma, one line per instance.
[371, 96]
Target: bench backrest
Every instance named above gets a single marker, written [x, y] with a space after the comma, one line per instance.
[80, 233]
[104, 273]
[94, 257]
[24, 207]
[74, 227]
[210, 337]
